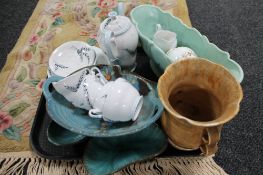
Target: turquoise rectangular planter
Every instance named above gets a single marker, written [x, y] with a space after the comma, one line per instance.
[145, 18]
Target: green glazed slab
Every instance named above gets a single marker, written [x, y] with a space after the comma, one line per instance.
[60, 136]
[108, 155]
[145, 18]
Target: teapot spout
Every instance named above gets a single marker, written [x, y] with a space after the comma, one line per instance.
[121, 8]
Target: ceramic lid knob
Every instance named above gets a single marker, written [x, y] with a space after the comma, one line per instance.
[112, 15]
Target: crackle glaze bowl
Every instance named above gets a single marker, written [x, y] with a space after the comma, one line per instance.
[77, 120]
[147, 17]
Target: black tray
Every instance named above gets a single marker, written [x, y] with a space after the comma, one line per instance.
[41, 145]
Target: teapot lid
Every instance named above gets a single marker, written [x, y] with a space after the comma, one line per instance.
[116, 24]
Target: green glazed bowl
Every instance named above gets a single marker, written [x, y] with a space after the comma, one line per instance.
[78, 121]
[145, 18]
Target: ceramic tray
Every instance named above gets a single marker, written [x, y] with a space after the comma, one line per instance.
[41, 145]
[186, 36]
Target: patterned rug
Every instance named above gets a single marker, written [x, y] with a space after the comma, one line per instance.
[52, 23]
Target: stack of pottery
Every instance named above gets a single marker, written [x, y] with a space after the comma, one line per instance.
[199, 96]
[110, 100]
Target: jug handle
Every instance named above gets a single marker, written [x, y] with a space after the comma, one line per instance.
[210, 138]
[109, 39]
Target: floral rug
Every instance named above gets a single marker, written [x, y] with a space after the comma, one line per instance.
[52, 23]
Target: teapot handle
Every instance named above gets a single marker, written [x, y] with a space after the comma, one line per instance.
[109, 39]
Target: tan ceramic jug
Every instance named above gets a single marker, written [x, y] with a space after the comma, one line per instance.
[199, 97]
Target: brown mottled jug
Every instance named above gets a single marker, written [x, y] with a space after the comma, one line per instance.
[199, 97]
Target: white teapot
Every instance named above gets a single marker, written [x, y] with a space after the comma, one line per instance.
[118, 38]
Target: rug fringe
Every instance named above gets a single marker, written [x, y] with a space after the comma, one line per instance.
[29, 163]
[175, 166]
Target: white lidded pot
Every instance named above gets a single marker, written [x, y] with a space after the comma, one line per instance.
[118, 38]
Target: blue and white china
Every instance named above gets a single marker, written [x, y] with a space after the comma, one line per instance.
[72, 56]
[180, 53]
[118, 38]
[121, 102]
[76, 87]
